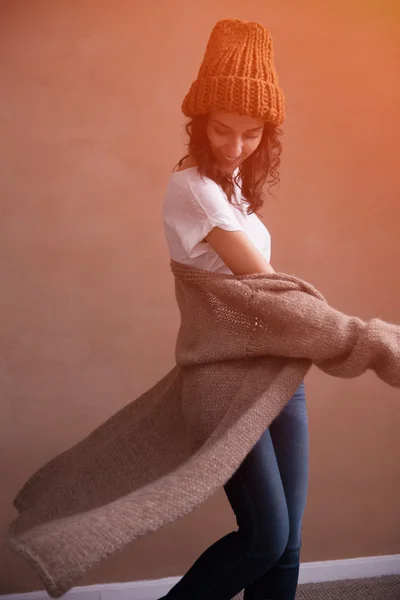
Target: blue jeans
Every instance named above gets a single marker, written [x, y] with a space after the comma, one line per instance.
[268, 496]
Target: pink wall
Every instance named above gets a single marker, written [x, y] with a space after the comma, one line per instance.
[90, 130]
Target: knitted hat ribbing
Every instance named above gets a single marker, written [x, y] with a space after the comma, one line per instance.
[237, 74]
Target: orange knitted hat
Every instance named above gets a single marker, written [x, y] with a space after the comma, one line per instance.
[237, 74]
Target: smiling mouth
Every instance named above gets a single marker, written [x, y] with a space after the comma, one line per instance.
[230, 160]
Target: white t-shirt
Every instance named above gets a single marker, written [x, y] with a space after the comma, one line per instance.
[192, 207]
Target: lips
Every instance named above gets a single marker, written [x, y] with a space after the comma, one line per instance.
[229, 161]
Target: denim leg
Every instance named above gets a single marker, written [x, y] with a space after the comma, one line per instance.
[289, 433]
[257, 496]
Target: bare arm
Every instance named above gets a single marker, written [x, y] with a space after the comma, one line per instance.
[238, 252]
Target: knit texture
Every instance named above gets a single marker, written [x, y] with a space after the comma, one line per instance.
[244, 345]
[237, 74]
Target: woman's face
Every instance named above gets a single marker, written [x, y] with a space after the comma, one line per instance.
[233, 136]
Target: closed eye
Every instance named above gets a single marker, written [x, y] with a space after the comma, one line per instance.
[249, 136]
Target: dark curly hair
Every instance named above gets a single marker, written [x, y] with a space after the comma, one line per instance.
[260, 167]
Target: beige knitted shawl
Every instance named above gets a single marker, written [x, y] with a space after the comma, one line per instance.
[245, 344]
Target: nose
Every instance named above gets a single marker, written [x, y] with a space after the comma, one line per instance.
[235, 148]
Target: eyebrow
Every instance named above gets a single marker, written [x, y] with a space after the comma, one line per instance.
[227, 127]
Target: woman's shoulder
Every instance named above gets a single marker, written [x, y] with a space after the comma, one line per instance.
[187, 163]
[188, 175]
[188, 189]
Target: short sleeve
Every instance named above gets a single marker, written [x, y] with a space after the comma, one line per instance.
[193, 207]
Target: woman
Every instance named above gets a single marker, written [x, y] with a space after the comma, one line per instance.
[244, 345]
[210, 219]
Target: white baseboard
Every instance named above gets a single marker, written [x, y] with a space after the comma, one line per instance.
[312, 572]
[349, 568]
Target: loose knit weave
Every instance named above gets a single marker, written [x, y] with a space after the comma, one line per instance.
[237, 74]
[244, 345]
